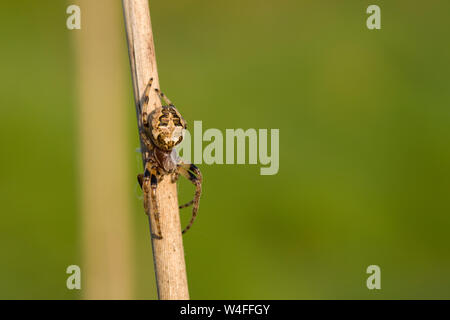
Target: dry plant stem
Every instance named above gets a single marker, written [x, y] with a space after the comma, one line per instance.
[168, 253]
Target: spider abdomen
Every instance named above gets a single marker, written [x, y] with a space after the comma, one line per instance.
[167, 127]
[167, 160]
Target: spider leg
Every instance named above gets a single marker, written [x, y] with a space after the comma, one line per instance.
[193, 174]
[153, 184]
[174, 179]
[149, 182]
[140, 178]
[146, 99]
[163, 97]
[186, 204]
[147, 142]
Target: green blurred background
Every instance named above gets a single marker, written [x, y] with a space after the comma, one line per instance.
[364, 123]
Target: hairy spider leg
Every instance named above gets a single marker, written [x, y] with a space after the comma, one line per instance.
[163, 97]
[144, 106]
[174, 180]
[186, 204]
[150, 178]
[193, 174]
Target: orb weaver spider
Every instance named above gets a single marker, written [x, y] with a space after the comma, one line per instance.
[161, 131]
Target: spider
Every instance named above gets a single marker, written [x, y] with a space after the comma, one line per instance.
[161, 131]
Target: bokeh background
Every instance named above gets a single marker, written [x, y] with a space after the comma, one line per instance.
[364, 123]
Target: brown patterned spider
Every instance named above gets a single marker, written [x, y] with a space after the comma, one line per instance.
[161, 131]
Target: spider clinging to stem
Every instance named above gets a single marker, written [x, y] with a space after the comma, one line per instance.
[161, 131]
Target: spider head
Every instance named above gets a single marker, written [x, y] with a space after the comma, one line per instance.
[167, 127]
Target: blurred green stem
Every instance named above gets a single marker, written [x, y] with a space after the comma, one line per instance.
[106, 221]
